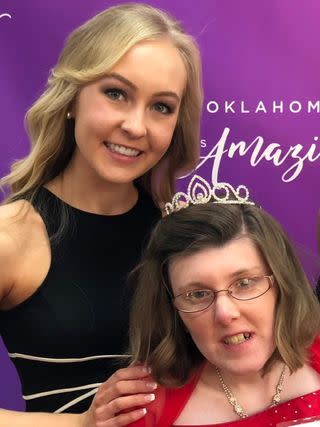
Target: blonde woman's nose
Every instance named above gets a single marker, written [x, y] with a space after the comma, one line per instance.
[134, 123]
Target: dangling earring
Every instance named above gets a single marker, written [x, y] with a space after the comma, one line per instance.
[69, 115]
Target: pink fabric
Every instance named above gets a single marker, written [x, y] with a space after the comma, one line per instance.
[169, 403]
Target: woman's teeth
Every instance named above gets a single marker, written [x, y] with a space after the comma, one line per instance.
[131, 152]
[237, 339]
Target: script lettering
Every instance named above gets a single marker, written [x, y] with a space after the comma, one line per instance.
[5, 15]
[258, 151]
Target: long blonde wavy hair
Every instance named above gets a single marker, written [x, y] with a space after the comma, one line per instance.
[90, 52]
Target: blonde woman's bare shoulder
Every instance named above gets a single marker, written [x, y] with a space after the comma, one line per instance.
[18, 223]
[17, 216]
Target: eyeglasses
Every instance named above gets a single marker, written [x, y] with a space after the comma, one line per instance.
[242, 290]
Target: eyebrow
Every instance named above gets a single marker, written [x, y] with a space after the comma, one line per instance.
[251, 270]
[200, 285]
[134, 87]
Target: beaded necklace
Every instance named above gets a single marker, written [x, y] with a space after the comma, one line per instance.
[233, 401]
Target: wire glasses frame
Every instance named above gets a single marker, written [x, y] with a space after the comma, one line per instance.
[196, 300]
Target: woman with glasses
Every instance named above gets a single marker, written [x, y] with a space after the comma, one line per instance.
[226, 320]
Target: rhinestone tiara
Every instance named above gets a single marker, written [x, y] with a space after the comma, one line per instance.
[200, 192]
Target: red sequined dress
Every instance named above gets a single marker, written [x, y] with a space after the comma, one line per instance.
[169, 404]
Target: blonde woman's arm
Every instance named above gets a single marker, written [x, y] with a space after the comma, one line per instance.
[33, 419]
[121, 400]
[11, 241]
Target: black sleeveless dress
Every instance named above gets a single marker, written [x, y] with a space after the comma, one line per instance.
[68, 337]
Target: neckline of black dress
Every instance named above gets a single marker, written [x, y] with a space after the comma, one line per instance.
[53, 197]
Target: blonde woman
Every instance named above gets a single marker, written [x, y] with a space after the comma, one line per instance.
[117, 122]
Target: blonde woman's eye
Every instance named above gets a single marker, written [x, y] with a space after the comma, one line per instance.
[162, 108]
[115, 94]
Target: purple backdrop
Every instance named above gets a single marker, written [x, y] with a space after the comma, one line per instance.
[261, 77]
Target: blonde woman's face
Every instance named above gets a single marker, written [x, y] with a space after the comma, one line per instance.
[236, 336]
[124, 122]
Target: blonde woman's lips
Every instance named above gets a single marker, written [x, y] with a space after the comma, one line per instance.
[121, 149]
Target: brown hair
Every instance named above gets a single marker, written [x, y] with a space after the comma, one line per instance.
[158, 336]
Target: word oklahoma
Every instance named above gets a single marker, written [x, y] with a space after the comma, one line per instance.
[263, 107]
